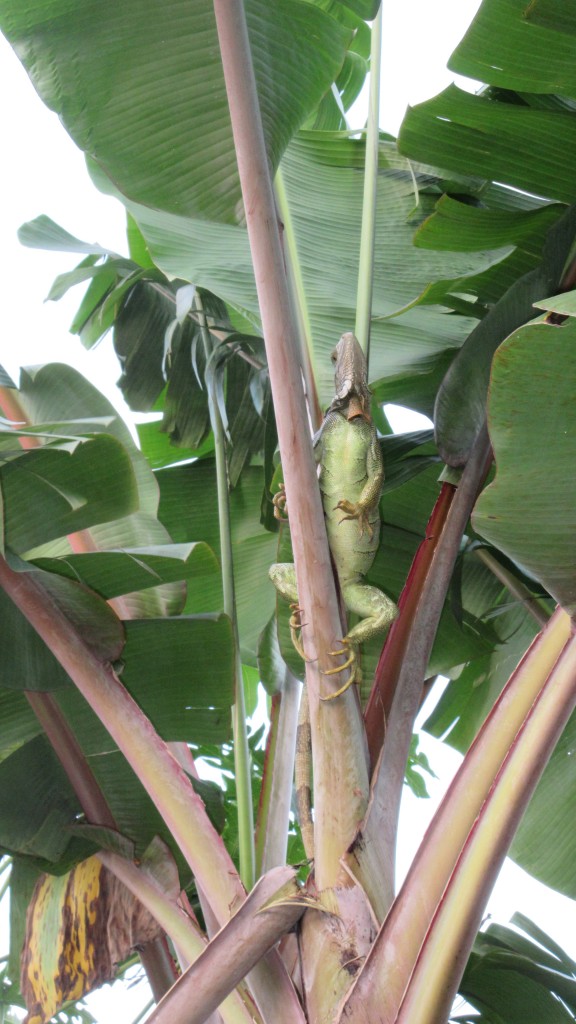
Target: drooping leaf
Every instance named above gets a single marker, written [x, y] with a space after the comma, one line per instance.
[160, 451]
[527, 511]
[499, 141]
[111, 573]
[510, 44]
[79, 927]
[44, 233]
[48, 493]
[461, 401]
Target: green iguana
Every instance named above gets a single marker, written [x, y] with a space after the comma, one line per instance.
[351, 474]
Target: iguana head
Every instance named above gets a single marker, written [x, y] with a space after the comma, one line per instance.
[350, 378]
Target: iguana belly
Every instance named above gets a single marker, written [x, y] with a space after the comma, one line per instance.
[343, 475]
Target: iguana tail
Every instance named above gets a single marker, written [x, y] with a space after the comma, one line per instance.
[302, 775]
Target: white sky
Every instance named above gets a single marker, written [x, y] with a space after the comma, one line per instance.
[44, 172]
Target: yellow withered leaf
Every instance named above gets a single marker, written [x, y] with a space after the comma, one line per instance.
[78, 928]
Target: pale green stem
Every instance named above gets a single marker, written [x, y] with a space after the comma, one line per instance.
[276, 796]
[241, 749]
[366, 261]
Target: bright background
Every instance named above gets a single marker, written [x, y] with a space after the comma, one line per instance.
[44, 172]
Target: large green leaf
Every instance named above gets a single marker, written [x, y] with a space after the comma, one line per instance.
[26, 662]
[181, 672]
[461, 401]
[145, 95]
[517, 978]
[188, 508]
[528, 511]
[324, 189]
[499, 141]
[36, 802]
[48, 493]
[530, 47]
[111, 573]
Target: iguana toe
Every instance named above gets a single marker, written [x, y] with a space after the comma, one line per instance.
[351, 663]
[279, 502]
[356, 512]
[296, 625]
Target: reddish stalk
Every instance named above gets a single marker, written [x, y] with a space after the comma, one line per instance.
[340, 769]
[377, 710]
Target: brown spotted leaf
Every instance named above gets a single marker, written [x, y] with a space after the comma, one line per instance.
[79, 926]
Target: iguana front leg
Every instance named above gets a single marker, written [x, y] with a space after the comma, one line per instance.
[283, 576]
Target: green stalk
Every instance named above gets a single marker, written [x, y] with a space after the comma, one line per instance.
[241, 749]
[366, 262]
[276, 792]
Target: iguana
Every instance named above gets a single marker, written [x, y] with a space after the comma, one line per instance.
[351, 474]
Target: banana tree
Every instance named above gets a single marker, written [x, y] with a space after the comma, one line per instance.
[223, 131]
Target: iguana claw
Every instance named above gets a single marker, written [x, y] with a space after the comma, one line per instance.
[356, 512]
[351, 663]
[279, 502]
[295, 628]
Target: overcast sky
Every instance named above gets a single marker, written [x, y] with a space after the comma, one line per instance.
[44, 172]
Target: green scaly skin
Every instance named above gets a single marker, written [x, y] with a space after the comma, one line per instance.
[351, 475]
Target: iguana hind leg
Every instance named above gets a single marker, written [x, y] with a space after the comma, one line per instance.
[375, 610]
